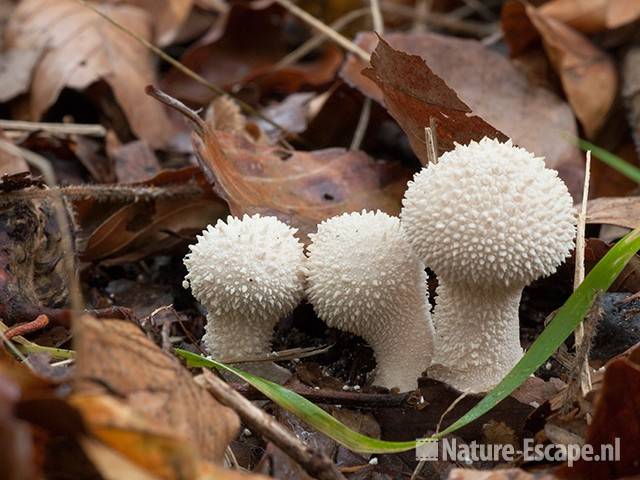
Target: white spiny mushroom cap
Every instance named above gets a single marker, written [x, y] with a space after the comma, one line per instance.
[489, 213]
[252, 266]
[362, 272]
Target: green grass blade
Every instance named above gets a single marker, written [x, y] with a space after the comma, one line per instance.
[303, 408]
[565, 321]
[567, 318]
[627, 169]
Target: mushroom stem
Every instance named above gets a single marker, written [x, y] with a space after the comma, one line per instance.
[402, 346]
[477, 336]
[365, 279]
[230, 338]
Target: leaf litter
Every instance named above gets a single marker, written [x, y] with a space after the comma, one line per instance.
[101, 395]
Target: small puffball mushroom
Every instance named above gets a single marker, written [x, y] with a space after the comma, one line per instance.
[488, 219]
[365, 279]
[248, 273]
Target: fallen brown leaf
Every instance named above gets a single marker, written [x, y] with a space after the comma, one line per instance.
[168, 16]
[135, 230]
[621, 211]
[118, 355]
[134, 161]
[16, 67]
[301, 188]
[229, 57]
[586, 16]
[588, 75]
[616, 417]
[414, 94]
[493, 88]
[81, 48]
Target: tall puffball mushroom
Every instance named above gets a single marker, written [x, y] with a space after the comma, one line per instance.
[248, 273]
[488, 219]
[365, 279]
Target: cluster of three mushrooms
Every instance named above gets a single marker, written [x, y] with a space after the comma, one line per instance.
[488, 218]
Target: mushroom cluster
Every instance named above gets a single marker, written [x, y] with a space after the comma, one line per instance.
[365, 279]
[248, 273]
[488, 219]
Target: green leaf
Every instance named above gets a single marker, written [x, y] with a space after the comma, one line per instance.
[615, 162]
[565, 321]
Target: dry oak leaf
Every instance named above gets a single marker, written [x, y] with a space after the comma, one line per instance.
[136, 230]
[81, 48]
[586, 16]
[123, 445]
[492, 87]
[587, 73]
[301, 188]
[118, 355]
[168, 16]
[620, 211]
[244, 49]
[414, 94]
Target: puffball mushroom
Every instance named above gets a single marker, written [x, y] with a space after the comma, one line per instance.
[248, 273]
[363, 278]
[488, 219]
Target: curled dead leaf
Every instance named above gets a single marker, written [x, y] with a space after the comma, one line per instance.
[490, 85]
[228, 57]
[168, 16]
[301, 188]
[158, 390]
[81, 48]
[587, 73]
[414, 94]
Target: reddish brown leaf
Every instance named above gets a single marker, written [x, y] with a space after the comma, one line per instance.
[301, 188]
[154, 384]
[82, 48]
[493, 88]
[229, 57]
[414, 94]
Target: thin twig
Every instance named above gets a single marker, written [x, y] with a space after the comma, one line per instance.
[326, 29]
[334, 397]
[446, 21]
[585, 373]
[177, 105]
[314, 462]
[104, 192]
[91, 130]
[363, 124]
[187, 71]
[431, 141]
[318, 39]
[376, 16]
